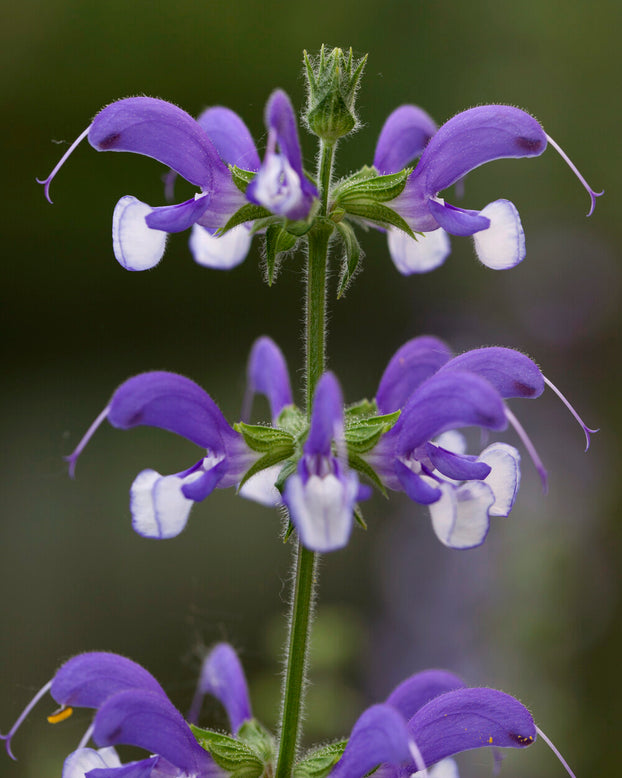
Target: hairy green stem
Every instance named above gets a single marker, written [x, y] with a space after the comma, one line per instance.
[304, 576]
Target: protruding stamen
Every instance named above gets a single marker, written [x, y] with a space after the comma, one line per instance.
[86, 737]
[556, 752]
[531, 449]
[60, 715]
[7, 738]
[593, 195]
[73, 457]
[47, 181]
[418, 759]
[584, 426]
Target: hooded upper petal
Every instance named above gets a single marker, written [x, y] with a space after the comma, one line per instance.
[230, 136]
[148, 720]
[403, 137]
[408, 368]
[155, 128]
[267, 374]
[470, 718]
[419, 689]
[223, 677]
[171, 402]
[88, 679]
[511, 373]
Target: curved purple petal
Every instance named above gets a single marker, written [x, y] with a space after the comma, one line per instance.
[223, 677]
[200, 488]
[419, 689]
[155, 128]
[470, 718]
[449, 400]
[403, 137]
[267, 374]
[474, 137]
[415, 486]
[457, 221]
[180, 217]
[326, 416]
[380, 735]
[87, 680]
[147, 720]
[457, 466]
[140, 769]
[281, 119]
[231, 137]
[511, 373]
[410, 366]
[171, 402]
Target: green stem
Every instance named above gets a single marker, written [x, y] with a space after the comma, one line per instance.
[302, 604]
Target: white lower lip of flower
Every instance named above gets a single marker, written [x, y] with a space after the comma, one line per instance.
[278, 185]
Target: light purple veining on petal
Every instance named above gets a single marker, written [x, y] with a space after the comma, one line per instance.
[231, 137]
[461, 518]
[403, 137]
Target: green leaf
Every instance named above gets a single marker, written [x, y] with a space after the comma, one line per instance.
[272, 457]
[286, 471]
[318, 764]
[247, 213]
[386, 421]
[292, 419]
[261, 438]
[278, 241]
[234, 756]
[374, 187]
[257, 737]
[352, 256]
[359, 464]
[363, 408]
[241, 178]
[363, 434]
[380, 214]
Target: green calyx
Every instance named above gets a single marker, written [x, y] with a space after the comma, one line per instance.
[250, 755]
[320, 762]
[333, 80]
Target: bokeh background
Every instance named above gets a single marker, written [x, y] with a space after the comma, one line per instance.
[536, 611]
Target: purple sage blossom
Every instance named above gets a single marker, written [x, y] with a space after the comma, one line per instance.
[321, 494]
[425, 456]
[160, 504]
[463, 143]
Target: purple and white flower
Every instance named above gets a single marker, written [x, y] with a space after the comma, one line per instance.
[200, 151]
[160, 504]
[463, 143]
[321, 494]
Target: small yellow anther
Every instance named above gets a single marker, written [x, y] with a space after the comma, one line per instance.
[490, 739]
[60, 715]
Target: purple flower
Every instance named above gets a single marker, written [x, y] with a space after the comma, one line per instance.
[465, 142]
[281, 185]
[321, 494]
[131, 709]
[428, 718]
[200, 151]
[160, 505]
[426, 457]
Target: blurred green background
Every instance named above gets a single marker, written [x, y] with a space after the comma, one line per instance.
[536, 611]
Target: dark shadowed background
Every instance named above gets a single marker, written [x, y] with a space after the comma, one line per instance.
[536, 611]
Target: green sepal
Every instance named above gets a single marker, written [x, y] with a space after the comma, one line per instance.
[241, 178]
[257, 737]
[368, 185]
[363, 434]
[278, 241]
[272, 457]
[318, 764]
[299, 228]
[288, 531]
[261, 438]
[378, 213]
[289, 468]
[352, 256]
[247, 213]
[358, 517]
[292, 419]
[364, 408]
[360, 465]
[234, 756]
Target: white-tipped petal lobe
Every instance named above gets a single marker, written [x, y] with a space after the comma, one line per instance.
[502, 245]
[81, 762]
[136, 246]
[460, 518]
[221, 253]
[426, 253]
[159, 508]
[504, 477]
